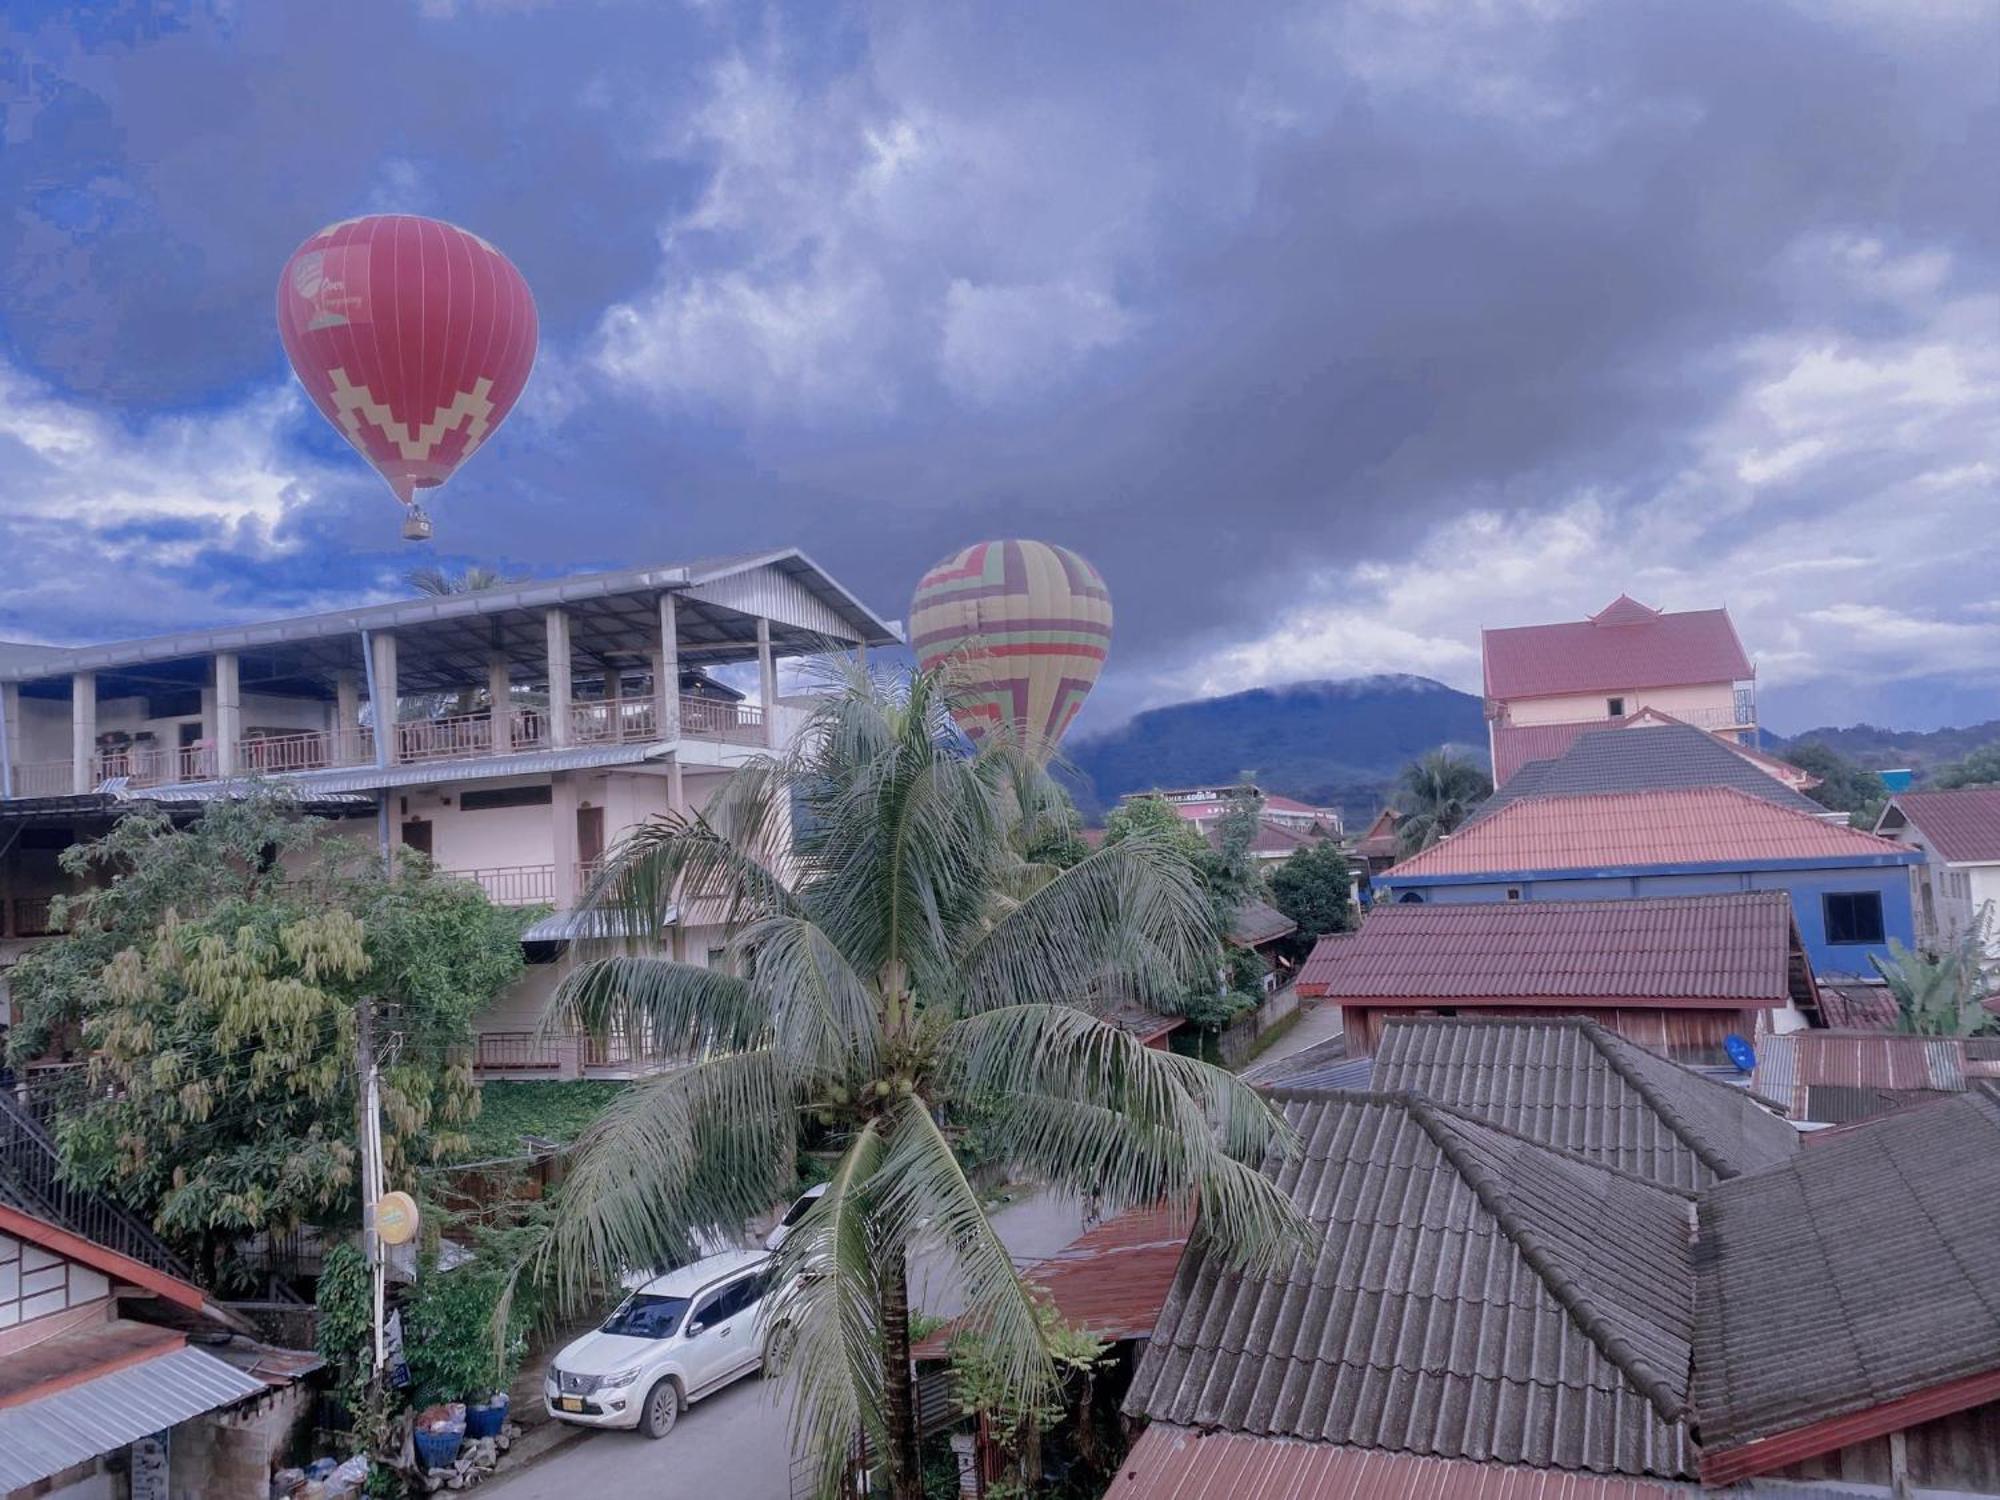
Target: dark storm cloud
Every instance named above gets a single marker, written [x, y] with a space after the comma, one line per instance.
[1230, 307]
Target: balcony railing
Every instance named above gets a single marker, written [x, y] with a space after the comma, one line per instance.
[603, 721]
[33, 917]
[514, 885]
[517, 1052]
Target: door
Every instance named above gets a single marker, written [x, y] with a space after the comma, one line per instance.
[417, 836]
[589, 839]
[724, 1344]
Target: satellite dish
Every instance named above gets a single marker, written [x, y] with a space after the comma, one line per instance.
[1740, 1052]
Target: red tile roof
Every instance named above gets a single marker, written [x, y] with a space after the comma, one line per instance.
[1180, 1463]
[1963, 825]
[1514, 745]
[1625, 645]
[1721, 951]
[1112, 1279]
[1687, 826]
[1850, 1005]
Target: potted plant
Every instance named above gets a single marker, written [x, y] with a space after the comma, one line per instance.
[450, 1345]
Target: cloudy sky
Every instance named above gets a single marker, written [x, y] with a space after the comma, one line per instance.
[1330, 331]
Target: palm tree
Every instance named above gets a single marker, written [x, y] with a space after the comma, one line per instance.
[896, 965]
[1437, 794]
[436, 582]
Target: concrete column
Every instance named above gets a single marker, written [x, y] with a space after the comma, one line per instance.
[382, 714]
[228, 711]
[500, 693]
[667, 671]
[563, 797]
[346, 718]
[767, 679]
[559, 666]
[83, 733]
[10, 735]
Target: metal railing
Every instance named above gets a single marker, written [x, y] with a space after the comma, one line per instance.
[516, 1052]
[47, 778]
[514, 885]
[722, 719]
[614, 721]
[308, 750]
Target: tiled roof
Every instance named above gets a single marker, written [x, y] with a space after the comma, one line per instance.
[1730, 950]
[1571, 1084]
[1852, 1005]
[1860, 1272]
[1795, 1067]
[1111, 1279]
[1643, 759]
[1618, 830]
[1378, 839]
[1324, 1065]
[1175, 1463]
[1518, 745]
[1256, 923]
[1467, 1294]
[1272, 837]
[1624, 646]
[1962, 825]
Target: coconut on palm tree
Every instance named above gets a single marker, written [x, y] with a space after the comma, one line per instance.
[1438, 792]
[895, 966]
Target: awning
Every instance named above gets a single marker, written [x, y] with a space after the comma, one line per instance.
[44, 1437]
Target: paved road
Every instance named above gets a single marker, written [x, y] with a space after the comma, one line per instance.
[735, 1443]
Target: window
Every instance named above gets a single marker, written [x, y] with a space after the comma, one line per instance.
[1615, 707]
[504, 796]
[644, 1317]
[720, 1306]
[1513, 893]
[1853, 916]
[1410, 898]
[718, 958]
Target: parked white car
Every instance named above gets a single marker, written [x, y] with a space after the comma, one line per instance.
[673, 1340]
[782, 1230]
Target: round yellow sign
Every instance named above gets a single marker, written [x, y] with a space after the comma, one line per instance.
[396, 1218]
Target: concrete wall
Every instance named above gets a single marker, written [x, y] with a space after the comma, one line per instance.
[1571, 708]
[234, 1452]
[1806, 887]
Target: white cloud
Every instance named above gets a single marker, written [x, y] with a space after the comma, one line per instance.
[1841, 505]
[1003, 340]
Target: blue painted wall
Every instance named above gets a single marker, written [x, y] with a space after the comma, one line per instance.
[1808, 887]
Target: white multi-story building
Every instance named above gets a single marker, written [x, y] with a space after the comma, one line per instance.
[532, 725]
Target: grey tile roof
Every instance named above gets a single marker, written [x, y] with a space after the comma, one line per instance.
[1861, 1271]
[1569, 1083]
[1466, 1293]
[1649, 758]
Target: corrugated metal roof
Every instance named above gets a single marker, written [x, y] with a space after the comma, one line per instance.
[1637, 830]
[1858, 1273]
[1467, 1293]
[1625, 645]
[1175, 1463]
[1962, 825]
[1111, 1280]
[45, 1437]
[1643, 758]
[603, 924]
[1573, 1085]
[1792, 1065]
[1851, 1005]
[1729, 950]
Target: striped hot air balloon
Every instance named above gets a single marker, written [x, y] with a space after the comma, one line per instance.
[1027, 623]
[413, 337]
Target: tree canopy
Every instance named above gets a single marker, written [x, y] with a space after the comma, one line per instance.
[886, 980]
[1843, 786]
[1980, 768]
[1315, 888]
[215, 983]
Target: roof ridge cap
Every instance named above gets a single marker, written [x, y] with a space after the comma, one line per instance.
[1493, 1197]
[1706, 1150]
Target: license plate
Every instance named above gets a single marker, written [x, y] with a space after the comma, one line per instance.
[571, 1403]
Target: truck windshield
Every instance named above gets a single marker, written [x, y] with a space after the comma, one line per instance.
[642, 1317]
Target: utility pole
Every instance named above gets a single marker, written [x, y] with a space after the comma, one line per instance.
[370, 1135]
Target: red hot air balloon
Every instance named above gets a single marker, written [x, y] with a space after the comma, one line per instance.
[413, 337]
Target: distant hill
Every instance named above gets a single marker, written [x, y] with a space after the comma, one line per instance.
[1337, 744]
[1889, 749]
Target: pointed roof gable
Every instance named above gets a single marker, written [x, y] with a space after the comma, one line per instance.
[1961, 824]
[1466, 1293]
[1623, 647]
[1636, 758]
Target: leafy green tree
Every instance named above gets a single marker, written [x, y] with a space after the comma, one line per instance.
[1155, 818]
[215, 981]
[1315, 888]
[1944, 993]
[1843, 785]
[1436, 794]
[1980, 768]
[883, 978]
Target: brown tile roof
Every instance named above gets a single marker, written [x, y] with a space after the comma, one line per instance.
[1623, 646]
[1256, 923]
[1272, 837]
[1468, 1293]
[1851, 1005]
[1962, 825]
[1721, 951]
[1698, 825]
[1176, 1463]
[1111, 1279]
[1861, 1272]
[1571, 1084]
